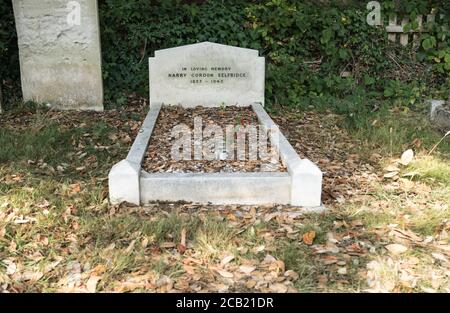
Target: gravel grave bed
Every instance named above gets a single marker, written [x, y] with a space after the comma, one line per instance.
[158, 158]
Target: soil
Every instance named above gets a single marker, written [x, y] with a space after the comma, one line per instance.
[159, 157]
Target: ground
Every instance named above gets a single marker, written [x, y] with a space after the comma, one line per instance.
[160, 158]
[386, 227]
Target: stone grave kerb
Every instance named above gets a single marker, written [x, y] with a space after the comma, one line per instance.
[213, 75]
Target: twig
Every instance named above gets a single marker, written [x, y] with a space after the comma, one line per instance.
[319, 61]
[392, 58]
[143, 53]
[183, 237]
[436, 145]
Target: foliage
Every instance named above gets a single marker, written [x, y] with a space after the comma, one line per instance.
[313, 48]
[435, 38]
[132, 30]
[9, 56]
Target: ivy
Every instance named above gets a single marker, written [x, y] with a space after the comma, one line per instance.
[9, 55]
[312, 48]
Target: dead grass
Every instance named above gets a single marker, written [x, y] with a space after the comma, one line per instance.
[431, 168]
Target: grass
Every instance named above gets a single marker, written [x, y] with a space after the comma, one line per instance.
[50, 214]
[393, 131]
[38, 142]
[423, 212]
[431, 168]
[214, 239]
[300, 260]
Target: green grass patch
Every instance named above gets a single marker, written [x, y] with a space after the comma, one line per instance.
[48, 142]
[298, 257]
[431, 168]
[392, 132]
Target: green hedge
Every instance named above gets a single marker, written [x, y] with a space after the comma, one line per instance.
[307, 45]
[9, 55]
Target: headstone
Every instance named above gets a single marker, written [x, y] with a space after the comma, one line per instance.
[440, 114]
[207, 74]
[59, 49]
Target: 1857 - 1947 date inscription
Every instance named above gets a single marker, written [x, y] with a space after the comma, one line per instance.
[207, 75]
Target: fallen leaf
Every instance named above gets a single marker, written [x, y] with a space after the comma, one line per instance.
[91, 284]
[22, 221]
[164, 284]
[392, 168]
[49, 267]
[330, 259]
[189, 269]
[269, 217]
[279, 288]
[410, 174]
[329, 248]
[428, 290]
[181, 248]
[99, 269]
[190, 260]
[75, 188]
[130, 247]
[308, 237]
[396, 248]
[323, 280]
[258, 249]
[246, 269]
[250, 284]
[390, 175]
[225, 273]
[11, 268]
[227, 259]
[167, 245]
[439, 257]
[268, 259]
[407, 157]
[183, 237]
[406, 234]
[291, 274]
[30, 276]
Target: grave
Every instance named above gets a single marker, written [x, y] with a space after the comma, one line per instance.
[216, 81]
[440, 114]
[59, 51]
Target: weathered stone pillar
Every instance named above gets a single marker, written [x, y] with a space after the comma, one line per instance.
[59, 49]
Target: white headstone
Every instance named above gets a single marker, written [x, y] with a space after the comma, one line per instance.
[207, 74]
[59, 48]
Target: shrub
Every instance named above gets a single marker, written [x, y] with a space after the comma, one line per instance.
[9, 54]
[312, 48]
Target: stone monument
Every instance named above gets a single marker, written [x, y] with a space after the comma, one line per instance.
[59, 50]
[213, 75]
